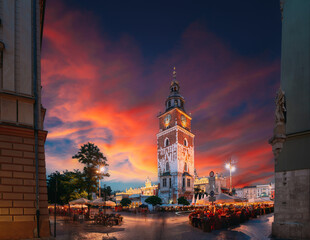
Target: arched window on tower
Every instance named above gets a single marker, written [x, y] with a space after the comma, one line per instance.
[166, 142]
[185, 142]
[167, 167]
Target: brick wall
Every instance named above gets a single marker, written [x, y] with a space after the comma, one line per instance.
[170, 135]
[17, 178]
[182, 136]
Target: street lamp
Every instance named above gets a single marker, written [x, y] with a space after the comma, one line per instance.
[231, 168]
[100, 171]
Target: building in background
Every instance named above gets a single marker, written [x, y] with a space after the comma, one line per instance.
[239, 192]
[138, 195]
[264, 190]
[291, 139]
[175, 148]
[250, 192]
[258, 191]
[149, 189]
[203, 183]
[23, 204]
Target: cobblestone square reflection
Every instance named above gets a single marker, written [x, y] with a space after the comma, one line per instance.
[159, 227]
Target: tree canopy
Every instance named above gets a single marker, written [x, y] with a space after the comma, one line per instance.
[70, 186]
[90, 155]
[107, 191]
[153, 200]
[125, 202]
[183, 201]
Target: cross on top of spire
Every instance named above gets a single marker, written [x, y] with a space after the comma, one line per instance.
[174, 74]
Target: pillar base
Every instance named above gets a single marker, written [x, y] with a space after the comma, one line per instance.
[24, 230]
[291, 230]
[292, 205]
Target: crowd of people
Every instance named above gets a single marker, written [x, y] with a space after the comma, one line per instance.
[216, 217]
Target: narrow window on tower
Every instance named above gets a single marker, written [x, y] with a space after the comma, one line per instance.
[188, 182]
[167, 167]
[164, 182]
[169, 182]
[185, 142]
[183, 182]
[166, 142]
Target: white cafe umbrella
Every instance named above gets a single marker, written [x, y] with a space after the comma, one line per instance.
[110, 204]
[100, 202]
[256, 200]
[97, 202]
[79, 201]
[224, 198]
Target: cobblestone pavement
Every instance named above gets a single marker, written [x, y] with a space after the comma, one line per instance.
[160, 227]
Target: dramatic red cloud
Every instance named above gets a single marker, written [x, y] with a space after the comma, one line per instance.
[102, 91]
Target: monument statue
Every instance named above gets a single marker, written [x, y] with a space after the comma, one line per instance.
[279, 135]
[280, 107]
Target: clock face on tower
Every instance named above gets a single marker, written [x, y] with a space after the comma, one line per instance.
[183, 120]
[167, 119]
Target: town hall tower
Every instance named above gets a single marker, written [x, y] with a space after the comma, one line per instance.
[175, 149]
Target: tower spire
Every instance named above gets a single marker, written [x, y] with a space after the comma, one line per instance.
[174, 73]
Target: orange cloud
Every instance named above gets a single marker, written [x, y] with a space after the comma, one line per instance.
[103, 91]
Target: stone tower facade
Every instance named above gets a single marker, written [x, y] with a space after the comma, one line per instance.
[175, 149]
[23, 192]
[291, 140]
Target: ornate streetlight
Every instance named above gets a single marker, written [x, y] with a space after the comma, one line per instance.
[231, 168]
[100, 172]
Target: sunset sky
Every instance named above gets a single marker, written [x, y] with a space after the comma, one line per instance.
[107, 68]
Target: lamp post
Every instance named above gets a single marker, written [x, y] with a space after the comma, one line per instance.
[231, 168]
[55, 206]
[100, 172]
[105, 199]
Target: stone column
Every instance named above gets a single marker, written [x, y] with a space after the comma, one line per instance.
[291, 140]
[17, 138]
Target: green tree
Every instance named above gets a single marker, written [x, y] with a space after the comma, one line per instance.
[153, 200]
[51, 188]
[125, 202]
[70, 186]
[183, 201]
[106, 191]
[90, 155]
